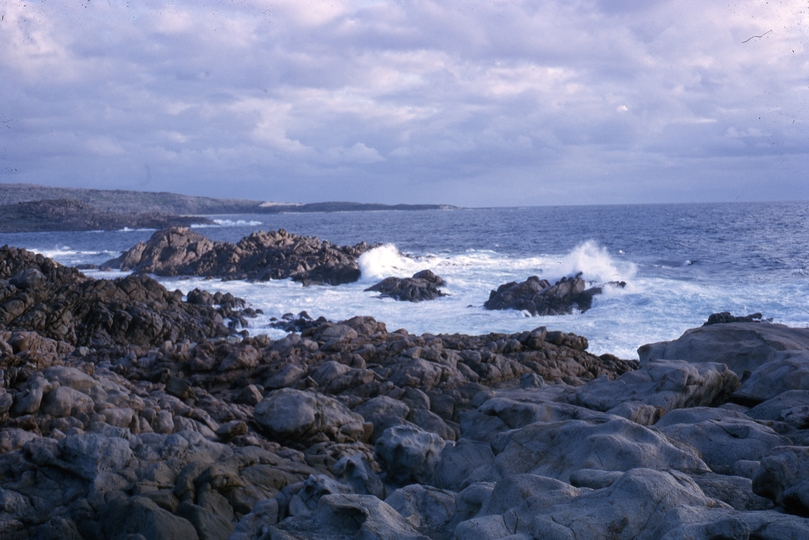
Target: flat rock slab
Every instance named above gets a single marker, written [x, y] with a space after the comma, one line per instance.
[742, 346]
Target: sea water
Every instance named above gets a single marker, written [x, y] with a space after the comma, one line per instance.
[680, 264]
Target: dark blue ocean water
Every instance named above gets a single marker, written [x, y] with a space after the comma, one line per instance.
[682, 262]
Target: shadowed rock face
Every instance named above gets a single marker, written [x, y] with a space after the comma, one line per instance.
[539, 297]
[37, 294]
[422, 286]
[259, 257]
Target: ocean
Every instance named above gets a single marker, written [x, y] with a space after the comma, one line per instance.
[681, 262]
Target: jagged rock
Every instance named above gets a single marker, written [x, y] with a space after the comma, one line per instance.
[538, 297]
[725, 317]
[422, 286]
[259, 257]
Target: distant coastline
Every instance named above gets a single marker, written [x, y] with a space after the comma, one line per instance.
[127, 202]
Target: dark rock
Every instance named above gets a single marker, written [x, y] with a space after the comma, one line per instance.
[422, 286]
[725, 317]
[259, 257]
[539, 297]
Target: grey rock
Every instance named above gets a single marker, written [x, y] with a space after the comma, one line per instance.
[662, 384]
[791, 407]
[721, 441]
[409, 454]
[358, 473]
[784, 478]
[344, 517]
[89, 454]
[742, 346]
[138, 515]
[383, 412]
[65, 401]
[289, 414]
[462, 464]
[614, 444]
[781, 373]
[426, 508]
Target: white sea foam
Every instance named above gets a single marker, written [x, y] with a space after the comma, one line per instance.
[385, 261]
[226, 223]
[595, 264]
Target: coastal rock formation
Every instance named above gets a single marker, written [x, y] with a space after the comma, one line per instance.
[422, 286]
[346, 430]
[259, 257]
[73, 215]
[538, 297]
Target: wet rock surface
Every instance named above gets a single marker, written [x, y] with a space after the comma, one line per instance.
[538, 297]
[345, 430]
[259, 257]
[422, 286]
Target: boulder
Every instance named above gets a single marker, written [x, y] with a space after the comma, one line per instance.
[538, 297]
[295, 416]
[422, 286]
[383, 412]
[409, 454]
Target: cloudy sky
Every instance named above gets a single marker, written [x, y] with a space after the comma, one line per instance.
[473, 103]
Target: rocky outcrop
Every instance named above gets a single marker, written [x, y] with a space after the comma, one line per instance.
[73, 215]
[60, 303]
[538, 297]
[346, 430]
[259, 257]
[742, 346]
[422, 286]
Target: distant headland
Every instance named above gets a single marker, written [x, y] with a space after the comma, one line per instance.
[32, 207]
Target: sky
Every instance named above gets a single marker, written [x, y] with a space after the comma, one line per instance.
[470, 103]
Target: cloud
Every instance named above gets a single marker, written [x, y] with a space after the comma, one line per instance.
[474, 103]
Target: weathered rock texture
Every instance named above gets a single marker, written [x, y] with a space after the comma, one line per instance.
[538, 297]
[345, 430]
[259, 257]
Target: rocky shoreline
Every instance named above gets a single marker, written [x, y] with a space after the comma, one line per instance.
[129, 411]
